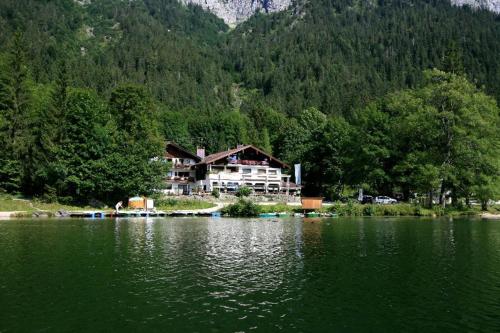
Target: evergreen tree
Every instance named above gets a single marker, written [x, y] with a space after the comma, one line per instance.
[15, 99]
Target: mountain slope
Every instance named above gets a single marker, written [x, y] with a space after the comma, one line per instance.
[162, 44]
[337, 56]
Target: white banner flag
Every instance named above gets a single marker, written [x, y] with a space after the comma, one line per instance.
[298, 177]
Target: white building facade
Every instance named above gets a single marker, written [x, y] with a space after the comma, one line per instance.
[181, 179]
[230, 177]
[245, 166]
[226, 171]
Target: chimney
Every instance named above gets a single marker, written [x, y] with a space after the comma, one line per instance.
[200, 152]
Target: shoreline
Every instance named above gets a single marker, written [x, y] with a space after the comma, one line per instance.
[216, 212]
[12, 207]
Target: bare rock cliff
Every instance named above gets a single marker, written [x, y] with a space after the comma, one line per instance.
[237, 11]
[491, 5]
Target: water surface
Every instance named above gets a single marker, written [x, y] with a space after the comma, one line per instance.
[248, 275]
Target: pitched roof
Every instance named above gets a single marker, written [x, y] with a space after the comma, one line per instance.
[183, 150]
[217, 156]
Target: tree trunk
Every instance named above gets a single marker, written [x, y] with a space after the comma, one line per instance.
[484, 205]
[431, 199]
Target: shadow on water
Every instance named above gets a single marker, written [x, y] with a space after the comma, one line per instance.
[221, 275]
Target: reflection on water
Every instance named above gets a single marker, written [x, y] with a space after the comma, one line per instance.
[202, 274]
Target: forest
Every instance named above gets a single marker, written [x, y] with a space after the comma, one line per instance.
[394, 96]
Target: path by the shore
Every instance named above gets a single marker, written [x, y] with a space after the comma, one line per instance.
[490, 216]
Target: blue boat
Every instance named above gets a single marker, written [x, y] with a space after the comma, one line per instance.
[266, 215]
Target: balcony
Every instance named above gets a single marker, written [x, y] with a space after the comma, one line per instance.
[249, 162]
[182, 166]
[180, 180]
[258, 177]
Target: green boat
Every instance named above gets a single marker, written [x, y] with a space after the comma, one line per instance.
[312, 214]
[265, 215]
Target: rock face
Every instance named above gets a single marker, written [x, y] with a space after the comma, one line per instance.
[491, 5]
[237, 11]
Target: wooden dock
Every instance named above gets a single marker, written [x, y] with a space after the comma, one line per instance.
[133, 213]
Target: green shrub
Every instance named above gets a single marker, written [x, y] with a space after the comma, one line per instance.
[369, 210]
[403, 209]
[243, 208]
[49, 195]
[438, 210]
[243, 191]
[216, 193]
[351, 208]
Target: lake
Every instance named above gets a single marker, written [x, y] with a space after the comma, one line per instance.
[250, 275]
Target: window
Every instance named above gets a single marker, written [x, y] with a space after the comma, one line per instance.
[261, 171]
[246, 171]
[272, 172]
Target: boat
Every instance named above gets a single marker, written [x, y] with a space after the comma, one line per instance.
[283, 214]
[312, 214]
[266, 215]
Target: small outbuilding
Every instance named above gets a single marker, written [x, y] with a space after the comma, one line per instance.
[312, 203]
[140, 203]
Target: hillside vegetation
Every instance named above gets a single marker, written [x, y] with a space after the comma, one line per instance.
[394, 96]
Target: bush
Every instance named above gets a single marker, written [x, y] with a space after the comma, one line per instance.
[349, 209]
[243, 208]
[243, 192]
[403, 209]
[369, 210]
[438, 210]
[216, 193]
[49, 195]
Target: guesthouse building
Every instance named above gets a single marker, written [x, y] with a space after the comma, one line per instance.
[181, 179]
[245, 165]
[226, 171]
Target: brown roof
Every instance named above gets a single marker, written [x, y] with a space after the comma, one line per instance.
[217, 156]
[182, 150]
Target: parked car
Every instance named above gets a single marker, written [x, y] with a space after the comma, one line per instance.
[384, 200]
[367, 199]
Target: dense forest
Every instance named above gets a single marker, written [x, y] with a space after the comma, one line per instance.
[393, 96]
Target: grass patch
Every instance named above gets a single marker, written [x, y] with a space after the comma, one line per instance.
[9, 203]
[182, 204]
[278, 208]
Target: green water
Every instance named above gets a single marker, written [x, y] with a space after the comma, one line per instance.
[250, 275]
